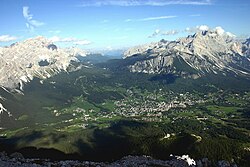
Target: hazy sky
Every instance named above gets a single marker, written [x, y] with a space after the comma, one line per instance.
[117, 23]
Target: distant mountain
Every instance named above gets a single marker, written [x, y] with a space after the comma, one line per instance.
[115, 53]
[35, 57]
[94, 58]
[211, 51]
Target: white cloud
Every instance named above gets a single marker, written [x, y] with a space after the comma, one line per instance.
[151, 18]
[196, 29]
[157, 18]
[98, 3]
[26, 13]
[128, 20]
[31, 23]
[177, 2]
[203, 28]
[82, 42]
[195, 15]
[171, 32]
[218, 30]
[7, 38]
[58, 39]
[55, 31]
[188, 29]
[104, 21]
[162, 33]
[70, 39]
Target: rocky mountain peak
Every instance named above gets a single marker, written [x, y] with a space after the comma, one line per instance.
[206, 51]
[247, 42]
[205, 42]
[34, 57]
[38, 42]
[246, 48]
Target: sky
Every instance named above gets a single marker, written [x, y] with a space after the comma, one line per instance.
[114, 24]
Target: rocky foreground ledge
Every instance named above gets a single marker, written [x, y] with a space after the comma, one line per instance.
[17, 160]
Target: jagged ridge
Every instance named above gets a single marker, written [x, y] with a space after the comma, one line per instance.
[35, 57]
[209, 51]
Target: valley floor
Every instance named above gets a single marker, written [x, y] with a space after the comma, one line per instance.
[100, 116]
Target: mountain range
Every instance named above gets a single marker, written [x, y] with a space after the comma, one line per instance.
[209, 51]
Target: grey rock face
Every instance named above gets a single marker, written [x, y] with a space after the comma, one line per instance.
[36, 57]
[194, 56]
[246, 47]
[52, 47]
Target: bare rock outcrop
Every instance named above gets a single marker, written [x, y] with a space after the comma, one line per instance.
[36, 57]
[208, 51]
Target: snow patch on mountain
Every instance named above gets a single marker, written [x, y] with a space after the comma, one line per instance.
[2, 109]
